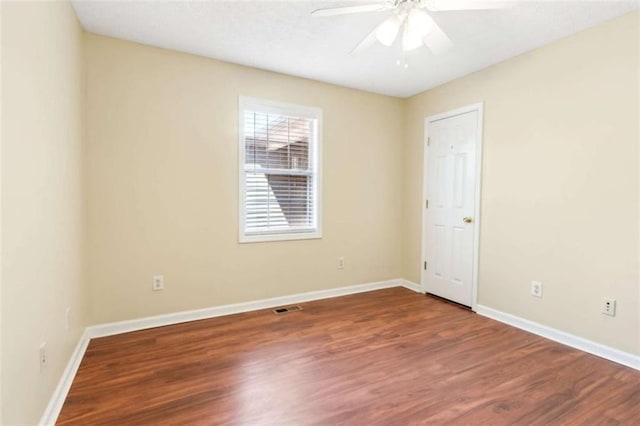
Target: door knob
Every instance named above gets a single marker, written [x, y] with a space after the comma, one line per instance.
[467, 219]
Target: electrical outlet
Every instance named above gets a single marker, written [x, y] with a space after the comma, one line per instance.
[67, 318]
[536, 289]
[609, 307]
[158, 283]
[43, 356]
[341, 263]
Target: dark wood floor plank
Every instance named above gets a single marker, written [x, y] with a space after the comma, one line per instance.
[389, 357]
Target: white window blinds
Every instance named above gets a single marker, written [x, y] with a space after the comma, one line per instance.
[278, 176]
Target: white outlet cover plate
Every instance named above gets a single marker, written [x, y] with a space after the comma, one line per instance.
[158, 283]
[43, 355]
[536, 288]
[609, 309]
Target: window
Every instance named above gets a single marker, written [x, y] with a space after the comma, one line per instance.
[279, 171]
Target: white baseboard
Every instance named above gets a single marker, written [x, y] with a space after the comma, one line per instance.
[60, 393]
[411, 285]
[598, 349]
[113, 328]
[102, 330]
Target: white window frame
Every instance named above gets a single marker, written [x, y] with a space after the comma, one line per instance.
[273, 107]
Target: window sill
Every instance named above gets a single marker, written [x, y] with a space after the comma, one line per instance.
[264, 238]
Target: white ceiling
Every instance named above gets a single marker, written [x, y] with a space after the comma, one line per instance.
[282, 36]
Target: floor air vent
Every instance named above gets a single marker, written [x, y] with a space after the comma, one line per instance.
[279, 311]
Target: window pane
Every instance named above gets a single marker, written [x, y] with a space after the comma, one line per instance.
[278, 202]
[277, 142]
[279, 187]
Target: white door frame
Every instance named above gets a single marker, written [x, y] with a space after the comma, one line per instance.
[479, 107]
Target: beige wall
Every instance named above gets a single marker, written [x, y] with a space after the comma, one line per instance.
[163, 184]
[42, 201]
[561, 188]
[560, 181]
[1, 377]
[638, 123]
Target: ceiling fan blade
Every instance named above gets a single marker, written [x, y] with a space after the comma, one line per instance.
[366, 42]
[379, 7]
[372, 37]
[449, 5]
[437, 41]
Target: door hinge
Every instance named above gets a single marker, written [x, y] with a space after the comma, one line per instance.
[425, 265]
[426, 204]
[428, 141]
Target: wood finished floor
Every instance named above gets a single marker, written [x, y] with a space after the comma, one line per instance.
[389, 357]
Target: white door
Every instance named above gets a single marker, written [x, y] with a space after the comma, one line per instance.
[450, 207]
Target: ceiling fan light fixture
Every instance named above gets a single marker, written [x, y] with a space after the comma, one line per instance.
[419, 22]
[388, 31]
[417, 26]
[411, 41]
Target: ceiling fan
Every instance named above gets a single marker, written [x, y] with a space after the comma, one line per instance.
[410, 19]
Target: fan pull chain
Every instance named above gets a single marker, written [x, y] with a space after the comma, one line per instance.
[403, 62]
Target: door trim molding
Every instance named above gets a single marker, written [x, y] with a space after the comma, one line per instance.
[479, 108]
